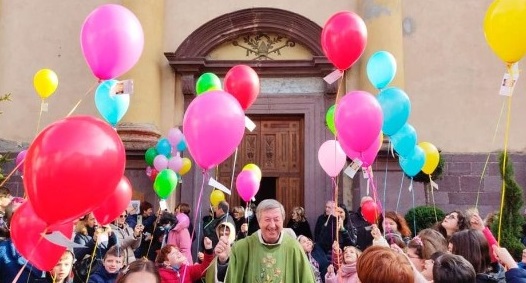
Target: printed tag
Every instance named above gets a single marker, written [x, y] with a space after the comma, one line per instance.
[334, 76]
[433, 184]
[249, 124]
[44, 107]
[212, 182]
[59, 239]
[162, 205]
[123, 87]
[353, 167]
[508, 83]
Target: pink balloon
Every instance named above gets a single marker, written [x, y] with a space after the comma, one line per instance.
[331, 157]
[160, 162]
[213, 125]
[367, 156]
[343, 39]
[174, 136]
[358, 120]
[112, 41]
[175, 163]
[20, 159]
[247, 184]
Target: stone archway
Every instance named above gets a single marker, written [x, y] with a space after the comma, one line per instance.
[190, 60]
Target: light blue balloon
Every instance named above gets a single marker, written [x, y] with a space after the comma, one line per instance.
[164, 147]
[181, 146]
[396, 108]
[413, 163]
[404, 140]
[381, 69]
[112, 107]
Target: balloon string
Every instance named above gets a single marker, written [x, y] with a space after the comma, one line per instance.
[82, 97]
[199, 206]
[39, 117]
[338, 92]
[375, 192]
[20, 273]
[506, 139]
[155, 227]
[414, 214]
[489, 154]
[233, 172]
[400, 193]
[30, 256]
[385, 176]
[433, 199]
[11, 173]
[91, 262]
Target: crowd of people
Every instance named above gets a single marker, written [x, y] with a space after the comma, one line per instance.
[238, 245]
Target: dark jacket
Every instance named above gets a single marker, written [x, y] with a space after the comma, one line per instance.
[516, 275]
[10, 263]
[101, 275]
[300, 228]
[364, 238]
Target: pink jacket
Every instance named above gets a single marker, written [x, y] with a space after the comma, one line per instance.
[180, 236]
[346, 274]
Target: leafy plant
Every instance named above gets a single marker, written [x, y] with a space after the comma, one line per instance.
[4, 158]
[422, 217]
[512, 220]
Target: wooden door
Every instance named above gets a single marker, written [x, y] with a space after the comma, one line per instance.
[277, 147]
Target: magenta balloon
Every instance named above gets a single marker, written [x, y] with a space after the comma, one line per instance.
[367, 156]
[20, 159]
[112, 41]
[213, 125]
[331, 157]
[358, 120]
[247, 184]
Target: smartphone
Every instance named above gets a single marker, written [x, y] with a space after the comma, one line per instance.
[139, 219]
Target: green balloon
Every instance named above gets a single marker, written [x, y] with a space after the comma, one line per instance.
[165, 183]
[207, 82]
[329, 119]
[150, 155]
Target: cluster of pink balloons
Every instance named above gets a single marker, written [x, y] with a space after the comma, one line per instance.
[74, 166]
[214, 122]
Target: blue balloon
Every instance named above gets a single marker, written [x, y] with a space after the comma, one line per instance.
[413, 163]
[396, 108]
[164, 147]
[381, 69]
[111, 106]
[181, 146]
[404, 141]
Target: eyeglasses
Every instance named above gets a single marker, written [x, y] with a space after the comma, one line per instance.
[122, 216]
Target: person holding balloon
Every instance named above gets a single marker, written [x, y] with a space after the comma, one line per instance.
[366, 215]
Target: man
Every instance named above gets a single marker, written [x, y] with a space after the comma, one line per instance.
[363, 228]
[220, 215]
[269, 255]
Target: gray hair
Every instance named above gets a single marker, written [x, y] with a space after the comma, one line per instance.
[269, 204]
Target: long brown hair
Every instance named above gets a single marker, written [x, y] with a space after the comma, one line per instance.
[403, 228]
[473, 246]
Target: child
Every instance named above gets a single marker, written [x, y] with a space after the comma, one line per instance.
[111, 265]
[308, 247]
[62, 272]
[347, 271]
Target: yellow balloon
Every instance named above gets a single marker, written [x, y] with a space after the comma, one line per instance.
[505, 29]
[216, 197]
[45, 82]
[253, 167]
[432, 157]
[187, 165]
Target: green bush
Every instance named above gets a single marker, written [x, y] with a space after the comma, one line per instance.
[422, 217]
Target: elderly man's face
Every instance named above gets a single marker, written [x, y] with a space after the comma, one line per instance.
[271, 224]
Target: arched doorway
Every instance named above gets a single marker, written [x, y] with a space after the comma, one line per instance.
[300, 105]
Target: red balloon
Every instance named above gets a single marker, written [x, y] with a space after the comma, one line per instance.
[71, 167]
[343, 39]
[243, 83]
[370, 211]
[115, 203]
[26, 230]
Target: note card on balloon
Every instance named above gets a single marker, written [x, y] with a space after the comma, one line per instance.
[509, 80]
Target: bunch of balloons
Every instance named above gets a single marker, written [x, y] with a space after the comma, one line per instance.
[247, 181]
[165, 165]
[214, 122]
[74, 166]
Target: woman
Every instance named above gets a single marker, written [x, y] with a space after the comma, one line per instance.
[179, 236]
[394, 223]
[129, 239]
[62, 272]
[473, 246]
[453, 222]
[174, 266]
[140, 271]
[298, 223]
[238, 214]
